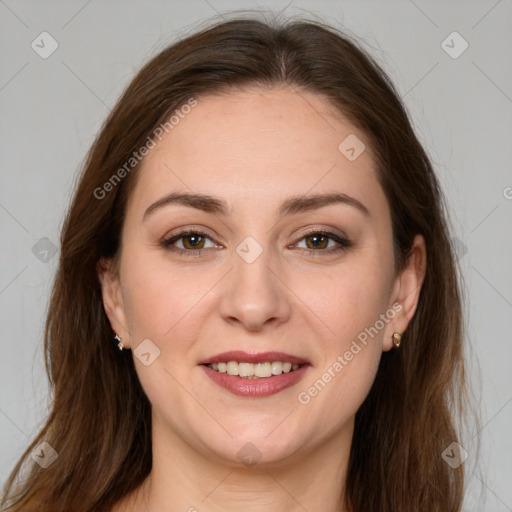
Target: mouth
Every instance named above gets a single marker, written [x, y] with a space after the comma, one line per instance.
[254, 370]
[255, 375]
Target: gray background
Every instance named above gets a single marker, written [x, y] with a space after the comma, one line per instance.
[51, 109]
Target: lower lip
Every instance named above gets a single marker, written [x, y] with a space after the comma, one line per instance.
[265, 386]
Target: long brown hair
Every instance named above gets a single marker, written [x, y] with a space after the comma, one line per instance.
[100, 422]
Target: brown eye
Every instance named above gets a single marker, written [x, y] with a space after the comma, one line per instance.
[317, 241]
[193, 241]
[323, 242]
[189, 243]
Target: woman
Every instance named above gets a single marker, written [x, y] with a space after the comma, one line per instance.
[257, 305]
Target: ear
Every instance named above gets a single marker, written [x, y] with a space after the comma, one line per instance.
[113, 301]
[406, 291]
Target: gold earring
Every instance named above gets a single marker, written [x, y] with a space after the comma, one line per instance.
[120, 345]
[397, 338]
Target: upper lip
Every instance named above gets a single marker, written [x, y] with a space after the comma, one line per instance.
[244, 357]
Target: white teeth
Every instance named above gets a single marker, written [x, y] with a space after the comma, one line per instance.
[232, 368]
[262, 370]
[277, 368]
[254, 370]
[245, 369]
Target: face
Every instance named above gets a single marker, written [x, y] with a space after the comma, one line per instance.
[268, 266]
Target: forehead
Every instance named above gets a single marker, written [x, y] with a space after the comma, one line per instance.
[261, 145]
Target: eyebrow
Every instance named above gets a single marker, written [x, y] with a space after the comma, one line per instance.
[295, 204]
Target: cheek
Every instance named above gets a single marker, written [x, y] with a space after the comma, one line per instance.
[351, 356]
[336, 394]
[351, 299]
[351, 303]
[158, 299]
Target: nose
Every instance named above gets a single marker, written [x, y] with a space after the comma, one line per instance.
[253, 295]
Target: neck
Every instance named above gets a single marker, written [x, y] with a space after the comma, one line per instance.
[184, 478]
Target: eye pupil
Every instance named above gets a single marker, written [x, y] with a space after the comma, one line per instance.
[318, 240]
[195, 244]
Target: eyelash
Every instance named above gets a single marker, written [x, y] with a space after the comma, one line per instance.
[344, 243]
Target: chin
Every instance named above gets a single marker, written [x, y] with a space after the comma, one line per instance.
[253, 448]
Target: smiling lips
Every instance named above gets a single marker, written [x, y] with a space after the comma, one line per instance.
[254, 370]
[255, 375]
[262, 357]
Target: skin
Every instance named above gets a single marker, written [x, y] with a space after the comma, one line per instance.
[255, 149]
